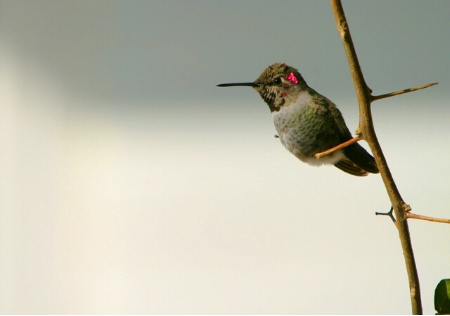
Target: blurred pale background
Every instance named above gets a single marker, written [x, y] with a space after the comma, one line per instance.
[131, 184]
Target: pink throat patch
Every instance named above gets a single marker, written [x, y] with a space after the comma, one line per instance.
[292, 78]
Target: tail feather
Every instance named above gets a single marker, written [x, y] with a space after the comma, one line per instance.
[359, 156]
[357, 161]
[348, 166]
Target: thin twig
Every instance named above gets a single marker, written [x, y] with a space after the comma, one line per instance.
[393, 94]
[363, 93]
[427, 218]
[340, 146]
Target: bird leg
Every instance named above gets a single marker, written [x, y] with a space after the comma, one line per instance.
[340, 146]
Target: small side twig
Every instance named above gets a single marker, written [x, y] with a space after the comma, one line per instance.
[392, 94]
[427, 218]
[340, 146]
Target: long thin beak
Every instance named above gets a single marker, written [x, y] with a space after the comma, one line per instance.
[239, 84]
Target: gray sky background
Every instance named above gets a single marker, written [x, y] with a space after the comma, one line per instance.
[131, 184]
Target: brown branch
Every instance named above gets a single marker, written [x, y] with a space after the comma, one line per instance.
[366, 127]
[372, 98]
[393, 94]
[428, 218]
[340, 146]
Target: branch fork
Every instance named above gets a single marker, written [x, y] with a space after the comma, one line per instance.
[365, 97]
[359, 137]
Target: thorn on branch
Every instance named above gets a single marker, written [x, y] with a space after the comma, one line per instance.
[392, 94]
[390, 214]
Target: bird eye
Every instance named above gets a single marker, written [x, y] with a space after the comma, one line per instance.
[277, 80]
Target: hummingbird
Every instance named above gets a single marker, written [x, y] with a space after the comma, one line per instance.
[308, 123]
